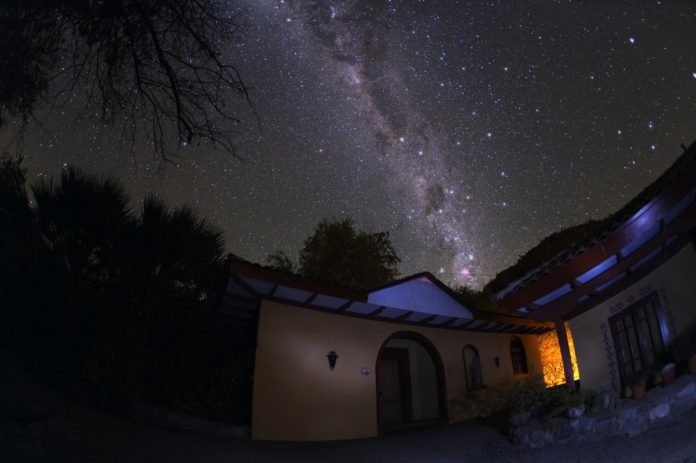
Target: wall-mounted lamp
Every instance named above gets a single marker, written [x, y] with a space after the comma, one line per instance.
[332, 356]
[497, 361]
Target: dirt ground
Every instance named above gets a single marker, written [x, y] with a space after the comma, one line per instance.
[40, 425]
[85, 435]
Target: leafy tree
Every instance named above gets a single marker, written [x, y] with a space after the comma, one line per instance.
[340, 254]
[155, 65]
[280, 261]
[478, 300]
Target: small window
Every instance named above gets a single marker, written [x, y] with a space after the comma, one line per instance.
[518, 356]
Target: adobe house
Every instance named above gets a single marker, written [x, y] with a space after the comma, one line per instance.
[626, 289]
[341, 363]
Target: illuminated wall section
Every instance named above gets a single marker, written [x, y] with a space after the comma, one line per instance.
[551, 360]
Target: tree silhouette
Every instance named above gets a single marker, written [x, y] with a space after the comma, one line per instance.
[340, 254]
[79, 219]
[155, 66]
[280, 261]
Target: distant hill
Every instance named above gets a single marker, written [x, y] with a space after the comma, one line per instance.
[547, 249]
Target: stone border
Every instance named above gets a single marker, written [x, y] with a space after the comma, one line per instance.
[660, 407]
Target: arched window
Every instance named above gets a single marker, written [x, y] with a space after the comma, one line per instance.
[472, 368]
[518, 356]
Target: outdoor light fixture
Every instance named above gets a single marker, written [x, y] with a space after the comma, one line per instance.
[332, 356]
[497, 361]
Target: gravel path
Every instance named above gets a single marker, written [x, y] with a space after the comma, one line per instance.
[95, 437]
[38, 425]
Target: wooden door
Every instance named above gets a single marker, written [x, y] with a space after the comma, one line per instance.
[394, 388]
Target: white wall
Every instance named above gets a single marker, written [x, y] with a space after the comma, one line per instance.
[675, 281]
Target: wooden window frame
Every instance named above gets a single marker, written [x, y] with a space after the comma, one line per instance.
[638, 352]
[518, 357]
[467, 373]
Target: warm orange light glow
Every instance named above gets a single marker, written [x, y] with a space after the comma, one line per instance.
[551, 359]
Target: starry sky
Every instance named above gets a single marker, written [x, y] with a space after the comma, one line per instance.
[468, 130]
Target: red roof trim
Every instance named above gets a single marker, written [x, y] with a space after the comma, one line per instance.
[647, 216]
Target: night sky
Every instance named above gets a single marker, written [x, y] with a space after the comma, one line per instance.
[468, 130]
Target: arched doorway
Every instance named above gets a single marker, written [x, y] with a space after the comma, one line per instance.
[410, 383]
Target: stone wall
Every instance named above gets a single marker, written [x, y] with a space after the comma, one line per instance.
[660, 407]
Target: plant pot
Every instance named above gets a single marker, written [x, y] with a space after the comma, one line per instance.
[668, 374]
[692, 364]
[638, 390]
[575, 411]
[519, 419]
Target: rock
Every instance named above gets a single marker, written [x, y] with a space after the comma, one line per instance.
[575, 412]
[659, 412]
[519, 419]
[537, 438]
[564, 434]
[607, 398]
[687, 391]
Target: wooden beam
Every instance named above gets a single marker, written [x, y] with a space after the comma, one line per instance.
[294, 281]
[344, 307]
[466, 323]
[597, 299]
[377, 311]
[597, 253]
[510, 319]
[558, 309]
[428, 319]
[565, 354]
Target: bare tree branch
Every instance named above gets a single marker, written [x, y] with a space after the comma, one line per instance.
[148, 65]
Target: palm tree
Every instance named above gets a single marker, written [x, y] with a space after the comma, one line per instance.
[176, 257]
[81, 218]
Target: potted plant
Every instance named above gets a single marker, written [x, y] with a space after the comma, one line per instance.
[683, 347]
[638, 385]
[668, 374]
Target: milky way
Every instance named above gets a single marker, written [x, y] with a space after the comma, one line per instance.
[469, 131]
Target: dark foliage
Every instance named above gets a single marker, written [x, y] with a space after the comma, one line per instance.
[338, 253]
[546, 250]
[478, 300]
[121, 302]
[156, 66]
[280, 261]
[571, 238]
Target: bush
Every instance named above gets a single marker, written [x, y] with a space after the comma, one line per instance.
[529, 395]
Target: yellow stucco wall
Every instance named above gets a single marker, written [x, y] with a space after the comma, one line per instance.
[675, 281]
[297, 397]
